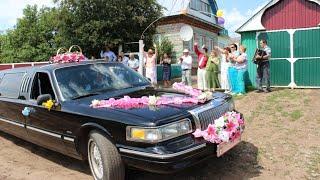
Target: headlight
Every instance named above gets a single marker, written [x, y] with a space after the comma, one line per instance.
[232, 107]
[158, 134]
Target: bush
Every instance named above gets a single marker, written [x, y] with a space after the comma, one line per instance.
[164, 46]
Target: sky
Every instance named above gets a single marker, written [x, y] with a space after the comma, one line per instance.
[236, 12]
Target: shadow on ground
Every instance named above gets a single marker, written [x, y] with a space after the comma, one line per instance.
[239, 163]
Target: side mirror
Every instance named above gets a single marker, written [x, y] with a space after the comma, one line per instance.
[43, 98]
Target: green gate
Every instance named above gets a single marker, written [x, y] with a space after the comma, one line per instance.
[295, 60]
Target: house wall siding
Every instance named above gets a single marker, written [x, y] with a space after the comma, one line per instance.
[171, 31]
[291, 14]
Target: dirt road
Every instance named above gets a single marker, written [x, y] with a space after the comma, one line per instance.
[281, 141]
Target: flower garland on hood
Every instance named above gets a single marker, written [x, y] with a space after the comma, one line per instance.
[196, 96]
[227, 128]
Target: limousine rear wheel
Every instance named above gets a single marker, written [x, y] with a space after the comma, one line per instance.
[104, 160]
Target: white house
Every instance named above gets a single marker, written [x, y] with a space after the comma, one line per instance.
[200, 15]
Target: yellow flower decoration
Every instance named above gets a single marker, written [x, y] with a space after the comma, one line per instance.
[48, 105]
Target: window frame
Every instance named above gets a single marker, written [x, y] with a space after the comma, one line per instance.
[19, 86]
[51, 82]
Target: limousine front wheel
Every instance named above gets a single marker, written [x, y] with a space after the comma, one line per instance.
[104, 159]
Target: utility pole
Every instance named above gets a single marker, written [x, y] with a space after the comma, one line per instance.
[141, 59]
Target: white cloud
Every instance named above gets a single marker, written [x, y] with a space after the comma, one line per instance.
[234, 18]
[10, 10]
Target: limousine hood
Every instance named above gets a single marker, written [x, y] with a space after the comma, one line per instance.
[138, 116]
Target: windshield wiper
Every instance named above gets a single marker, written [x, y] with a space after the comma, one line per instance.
[86, 95]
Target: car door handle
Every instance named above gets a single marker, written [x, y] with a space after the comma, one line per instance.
[27, 111]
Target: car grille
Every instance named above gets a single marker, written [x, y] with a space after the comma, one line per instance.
[206, 115]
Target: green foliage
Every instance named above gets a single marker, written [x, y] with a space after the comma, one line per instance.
[164, 46]
[32, 39]
[96, 23]
[91, 24]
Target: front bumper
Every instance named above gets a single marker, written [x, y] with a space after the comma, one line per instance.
[168, 162]
[169, 157]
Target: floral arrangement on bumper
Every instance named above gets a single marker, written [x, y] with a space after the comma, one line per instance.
[195, 96]
[225, 129]
[68, 56]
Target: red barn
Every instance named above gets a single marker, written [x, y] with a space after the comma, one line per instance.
[292, 29]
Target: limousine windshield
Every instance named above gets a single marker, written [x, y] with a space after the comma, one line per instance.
[90, 79]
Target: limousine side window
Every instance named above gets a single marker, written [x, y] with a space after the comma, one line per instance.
[10, 85]
[41, 85]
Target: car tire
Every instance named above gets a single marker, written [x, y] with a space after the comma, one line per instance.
[104, 159]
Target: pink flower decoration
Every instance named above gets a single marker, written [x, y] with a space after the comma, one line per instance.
[211, 129]
[217, 135]
[230, 126]
[65, 58]
[197, 133]
[73, 57]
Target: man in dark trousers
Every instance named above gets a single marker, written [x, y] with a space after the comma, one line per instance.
[263, 70]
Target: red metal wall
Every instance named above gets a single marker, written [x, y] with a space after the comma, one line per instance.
[291, 14]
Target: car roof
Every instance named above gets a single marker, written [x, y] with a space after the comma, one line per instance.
[53, 66]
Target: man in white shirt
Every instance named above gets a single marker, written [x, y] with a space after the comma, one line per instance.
[186, 67]
[124, 59]
[133, 62]
[108, 53]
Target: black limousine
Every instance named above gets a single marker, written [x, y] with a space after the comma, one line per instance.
[103, 135]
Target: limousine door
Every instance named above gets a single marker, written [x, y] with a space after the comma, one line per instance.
[11, 119]
[43, 125]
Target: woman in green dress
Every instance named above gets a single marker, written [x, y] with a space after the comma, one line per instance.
[212, 69]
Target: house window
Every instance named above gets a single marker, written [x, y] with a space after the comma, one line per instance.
[193, 4]
[211, 44]
[190, 43]
[205, 8]
[203, 40]
[202, 6]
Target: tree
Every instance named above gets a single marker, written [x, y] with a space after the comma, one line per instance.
[164, 46]
[92, 24]
[33, 38]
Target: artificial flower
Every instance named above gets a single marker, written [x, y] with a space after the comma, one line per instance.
[152, 101]
[226, 128]
[95, 103]
[224, 136]
[219, 123]
[49, 104]
[197, 133]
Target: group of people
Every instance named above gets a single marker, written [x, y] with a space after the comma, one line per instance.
[231, 63]
[110, 56]
[233, 66]
[150, 58]
[150, 63]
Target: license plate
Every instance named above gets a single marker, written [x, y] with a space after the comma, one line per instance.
[224, 147]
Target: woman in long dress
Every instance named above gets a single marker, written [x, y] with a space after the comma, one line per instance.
[151, 65]
[225, 64]
[212, 69]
